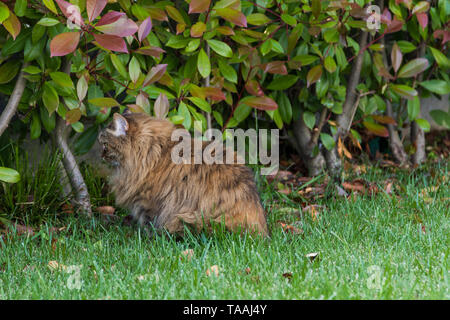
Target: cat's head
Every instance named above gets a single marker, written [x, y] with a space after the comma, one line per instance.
[133, 139]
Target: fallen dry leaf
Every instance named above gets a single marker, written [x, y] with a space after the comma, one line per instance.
[281, 175]
[290, 228]
[67, 208]
[213, 270]
[108, 210]
[187, 254]
[313, 210]
[54, 265]
[287, 275]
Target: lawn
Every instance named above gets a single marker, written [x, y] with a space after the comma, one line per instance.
[381, 246]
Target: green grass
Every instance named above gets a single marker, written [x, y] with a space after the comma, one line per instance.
[369, 248]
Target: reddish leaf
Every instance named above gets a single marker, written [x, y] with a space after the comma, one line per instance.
[12, 24]
[122, 27]
[199, 6]
[226, 31]
[376, 129]
[110, 42]
[110, 17]
[313, 75]
[444, 34]
[150, 51]
[207, 92]
[73, 116]
[394, 26]
[423, 19]
[214, 94]
[384, 119]
[198, 29]
[94, 8]
[70, 11]
[64, 43]
[234, 16]
[261, 103]
[386, 16]
[145, 28]
[155, 74]
[275, 67]
[254, 88]
[157, 14]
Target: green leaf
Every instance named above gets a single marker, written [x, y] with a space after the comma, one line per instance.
[413, 108]
[32, 70]
[440, 58]
[257, 19]
[404, 90]
[20, 7]
[134, 69]
[48, 22]
[9, 175]
[406, 46]
[49, 121]
[290, 20]
[316, 7]
[118, 65]
[310, 119]
[50, 98]
[327, 141]
[220, 48]
[51, 6]
[330, 64]
[227, 71]
[441, 118]
[4, 12]
[413, 68]
[423, 124]
[285, 108]
[283, 82]
[35, 127]
[201, 103]
[203, 64]
[305, 59]
[104, 102]
[9, 70]
[62, 79]
[276, 46]
[313, 75]
[85, 141]
[242, 112]
[437, 86]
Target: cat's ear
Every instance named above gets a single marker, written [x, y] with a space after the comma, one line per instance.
[120, 125]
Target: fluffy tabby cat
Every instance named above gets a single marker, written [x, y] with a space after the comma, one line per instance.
[155, 189]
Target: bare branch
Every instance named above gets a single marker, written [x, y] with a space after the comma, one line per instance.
[69, 162]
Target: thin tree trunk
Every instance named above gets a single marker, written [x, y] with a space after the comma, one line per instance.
[304, 141]
[345, 119]
[13, 101]
[61, 135]
[417, 134]
[207, 83]
[395, 142]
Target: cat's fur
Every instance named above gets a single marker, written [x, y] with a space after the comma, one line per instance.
[155, 189]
